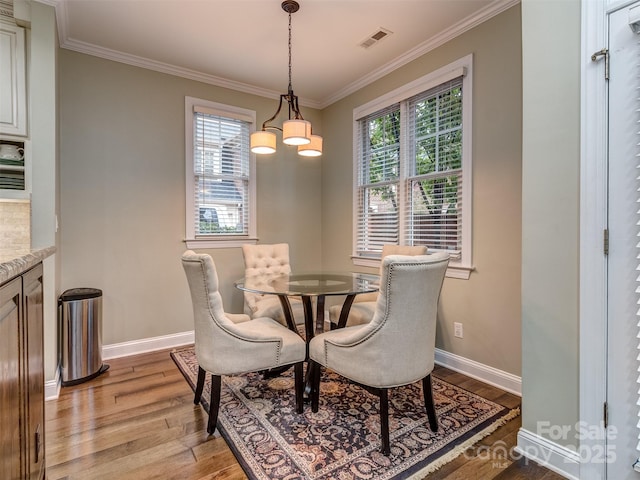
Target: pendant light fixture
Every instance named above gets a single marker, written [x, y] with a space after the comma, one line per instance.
[296, 130]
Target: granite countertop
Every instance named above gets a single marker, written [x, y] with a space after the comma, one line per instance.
[16, 262]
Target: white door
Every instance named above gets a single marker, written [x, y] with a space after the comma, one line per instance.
[624, 229]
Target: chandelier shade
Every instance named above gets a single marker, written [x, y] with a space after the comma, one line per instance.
[313, 148]
[295, 130]
[263, 142]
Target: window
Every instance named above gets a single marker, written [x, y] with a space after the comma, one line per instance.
[220, 175]
[412, 161]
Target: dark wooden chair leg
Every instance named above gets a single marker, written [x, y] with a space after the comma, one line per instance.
[384, 421]
[214, 404]
[320, 300]
[344, 312]
[315, 385]
[308, 320]
[298, 376]
[199, 385]
[428, 403]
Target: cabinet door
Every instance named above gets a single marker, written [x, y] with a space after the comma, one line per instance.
[13, 99]
[11, 406]
[34, 361]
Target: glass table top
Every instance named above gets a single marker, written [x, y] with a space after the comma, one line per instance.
[311, 283]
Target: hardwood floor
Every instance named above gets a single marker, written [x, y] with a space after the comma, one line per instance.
[138, 421]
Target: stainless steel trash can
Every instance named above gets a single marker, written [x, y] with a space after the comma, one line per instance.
[80, 318]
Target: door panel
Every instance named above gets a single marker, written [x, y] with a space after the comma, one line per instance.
[622, 341]
[33, 302]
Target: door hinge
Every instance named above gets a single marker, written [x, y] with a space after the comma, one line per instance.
[606, 415]
[602, 53]
[605, 241]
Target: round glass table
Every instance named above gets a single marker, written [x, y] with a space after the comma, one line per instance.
[307, 286]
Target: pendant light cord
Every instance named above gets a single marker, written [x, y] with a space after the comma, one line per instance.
[290, 86]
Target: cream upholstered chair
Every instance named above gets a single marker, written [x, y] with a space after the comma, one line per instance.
[397, 347]
[260, 260]
[227, 347]
[364, 305]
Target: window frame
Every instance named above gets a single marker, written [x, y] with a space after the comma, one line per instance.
[458, 268]
[216, 240]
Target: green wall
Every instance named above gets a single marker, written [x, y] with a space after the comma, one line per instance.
[550, 213]
[43, 133]
[122, 186]
[488, 304]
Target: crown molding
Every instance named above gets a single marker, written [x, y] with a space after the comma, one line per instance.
[6, 8]
[117, 56]
[456, 30]
[464, 25]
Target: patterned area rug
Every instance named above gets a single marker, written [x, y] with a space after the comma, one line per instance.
[271, 441]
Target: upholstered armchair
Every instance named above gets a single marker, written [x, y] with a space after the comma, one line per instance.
[397, 347]
[233, 344]
[364, 305]
[269, 259]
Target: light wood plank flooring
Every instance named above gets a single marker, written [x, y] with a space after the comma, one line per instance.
[138, 421]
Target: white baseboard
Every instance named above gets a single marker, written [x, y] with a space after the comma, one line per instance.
[549, 454]
[52, 387]
[498, 378]
[124, 349]
[145, 345]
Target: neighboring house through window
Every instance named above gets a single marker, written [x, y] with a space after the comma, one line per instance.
[412, 168]
[220, 175]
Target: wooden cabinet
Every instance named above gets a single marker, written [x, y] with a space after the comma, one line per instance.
[14, 177]
[11, 408]
[22, 378]
[13, 94]
[34, 373]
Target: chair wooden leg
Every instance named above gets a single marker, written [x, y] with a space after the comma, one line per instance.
[199, 385]
[298, 376]
[384, 421]
[428, 403]
[214, 404]
[315, 385]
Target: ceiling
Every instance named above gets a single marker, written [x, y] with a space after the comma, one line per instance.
[242, 44]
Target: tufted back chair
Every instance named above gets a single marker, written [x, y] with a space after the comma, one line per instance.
[397, 347]
[260, 260]
[268, 259]
[226, 346]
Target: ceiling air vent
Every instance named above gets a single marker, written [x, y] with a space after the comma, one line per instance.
[375, 37]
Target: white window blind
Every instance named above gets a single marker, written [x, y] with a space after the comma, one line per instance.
[434, 169]
[412, 168]
[221, 175]
[220, 198]
[378, 181]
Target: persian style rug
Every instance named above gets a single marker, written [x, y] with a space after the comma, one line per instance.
[341, 441]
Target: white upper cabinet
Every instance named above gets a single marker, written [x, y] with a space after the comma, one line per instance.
[13, 98]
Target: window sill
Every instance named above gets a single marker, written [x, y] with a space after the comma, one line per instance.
[202, 243]
[459, 271]
[453, 271]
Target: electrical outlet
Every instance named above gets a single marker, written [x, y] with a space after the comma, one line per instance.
[457, 329]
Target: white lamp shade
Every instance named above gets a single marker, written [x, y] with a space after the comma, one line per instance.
[296, 132]
[313, 148]
[263, 142]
